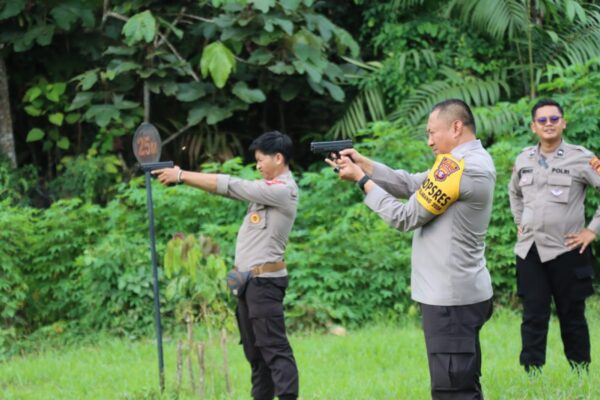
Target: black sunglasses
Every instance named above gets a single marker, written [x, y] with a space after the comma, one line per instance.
[544, 120]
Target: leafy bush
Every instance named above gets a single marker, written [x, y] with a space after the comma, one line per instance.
[16, 230]
[91, 178]
[196, 274]
[16, 184]
[78, 265]
[61, 233]
[116, 285]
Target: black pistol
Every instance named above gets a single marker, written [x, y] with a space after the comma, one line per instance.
[334, 147]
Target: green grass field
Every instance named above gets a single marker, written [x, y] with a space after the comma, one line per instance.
[378, 362]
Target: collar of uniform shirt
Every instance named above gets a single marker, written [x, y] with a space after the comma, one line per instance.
[558, 152]
[459, 151]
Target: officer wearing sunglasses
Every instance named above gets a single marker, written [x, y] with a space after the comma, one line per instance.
[547, 193]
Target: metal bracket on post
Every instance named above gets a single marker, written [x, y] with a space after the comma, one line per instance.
[149, 167]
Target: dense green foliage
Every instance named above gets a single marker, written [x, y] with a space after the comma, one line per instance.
[77, 262]
[211, 75]
[193, 68]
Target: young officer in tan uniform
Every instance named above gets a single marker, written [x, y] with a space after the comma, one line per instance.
[449, 208]
[260, 249]
[547, 192]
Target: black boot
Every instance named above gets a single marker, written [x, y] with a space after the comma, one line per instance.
[533, 369]
[580, 367]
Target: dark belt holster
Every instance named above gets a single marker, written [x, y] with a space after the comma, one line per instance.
[237, 281]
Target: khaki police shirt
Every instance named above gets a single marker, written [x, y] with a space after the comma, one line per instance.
[547, 196]
[448, 263]
[269, 219]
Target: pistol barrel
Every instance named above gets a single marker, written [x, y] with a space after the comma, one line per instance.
[331, 146]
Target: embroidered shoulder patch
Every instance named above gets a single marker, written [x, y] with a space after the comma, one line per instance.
[595, 164]
[441, 188]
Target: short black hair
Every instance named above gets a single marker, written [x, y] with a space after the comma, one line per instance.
[457, 110]
[271, 143]
[543, 103]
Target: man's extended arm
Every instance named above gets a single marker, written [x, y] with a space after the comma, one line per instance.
[398, 183]
[200, 180]
[273, 193]
[403, 216]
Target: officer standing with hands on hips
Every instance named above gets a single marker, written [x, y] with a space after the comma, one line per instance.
[547, 193]
[449, 208]
[260, 249]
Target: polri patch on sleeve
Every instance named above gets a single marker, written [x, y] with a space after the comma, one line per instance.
[441, 188]
[595, 164]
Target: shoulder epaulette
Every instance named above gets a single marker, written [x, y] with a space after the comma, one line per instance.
[580, 148]
[274, 182]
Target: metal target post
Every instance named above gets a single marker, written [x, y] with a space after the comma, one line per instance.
[147, 149]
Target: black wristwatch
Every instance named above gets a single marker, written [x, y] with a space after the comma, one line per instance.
[362, 181]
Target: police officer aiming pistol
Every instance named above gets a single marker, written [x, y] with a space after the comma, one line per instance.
[547, 193]
[260, 247]
[449, 209]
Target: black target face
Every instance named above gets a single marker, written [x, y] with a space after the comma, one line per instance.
[146, 144]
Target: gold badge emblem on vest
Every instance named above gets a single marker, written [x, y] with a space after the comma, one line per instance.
[255, 218]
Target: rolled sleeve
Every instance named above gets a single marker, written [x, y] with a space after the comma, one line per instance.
[222, 184]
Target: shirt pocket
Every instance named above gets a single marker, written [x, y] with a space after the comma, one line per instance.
[257, 216]
[526, 185]
[559, 187]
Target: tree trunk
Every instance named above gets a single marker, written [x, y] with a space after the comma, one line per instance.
[7, 140]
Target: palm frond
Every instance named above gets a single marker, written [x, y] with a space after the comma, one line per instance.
[474, 91]
[499, 18]
[401, 5]
[356, 116]
[580, 46]
[418, 56]
[501, 119]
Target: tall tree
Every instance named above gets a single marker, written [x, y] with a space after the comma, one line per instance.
[7, 140]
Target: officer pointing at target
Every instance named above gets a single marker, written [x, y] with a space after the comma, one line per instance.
[449, 209]
[547, 193]
[259, 260]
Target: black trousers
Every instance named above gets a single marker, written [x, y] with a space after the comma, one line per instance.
[568, 280]
[453, 349]
[262, 331]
